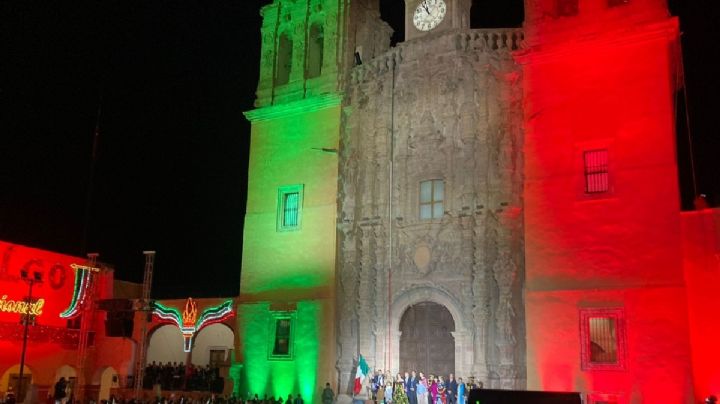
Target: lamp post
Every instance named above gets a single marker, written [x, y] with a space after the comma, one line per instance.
[27, 318]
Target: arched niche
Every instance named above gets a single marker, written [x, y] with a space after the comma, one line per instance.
[165, 344]
[10, 381]
[315, 50]
[283, 66]
[108, 379]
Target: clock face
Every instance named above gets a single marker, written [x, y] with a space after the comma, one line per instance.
[428, 14]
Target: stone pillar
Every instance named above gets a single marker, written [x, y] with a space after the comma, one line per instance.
[463, 353]
[395, 351]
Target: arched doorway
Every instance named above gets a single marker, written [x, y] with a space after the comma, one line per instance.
[166, 345]
[108, 380]
[426, 340]
[10, 382]
[70, 375]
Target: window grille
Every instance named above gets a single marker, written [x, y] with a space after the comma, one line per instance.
[432, 194]
[289, 207]
[603, 339]
[597, 175]
[282, 337]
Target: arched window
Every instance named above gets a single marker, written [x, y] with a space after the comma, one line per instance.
[284, 60]
[315, 51]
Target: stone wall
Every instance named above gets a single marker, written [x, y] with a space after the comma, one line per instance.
[443, 107]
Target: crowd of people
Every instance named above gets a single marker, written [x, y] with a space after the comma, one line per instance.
[178, 376]
[416, 388]
[173, 399]
[220, 399]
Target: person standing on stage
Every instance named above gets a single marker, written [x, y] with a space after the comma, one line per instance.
[451, 389]
[60, 392]
[442, 398]
[399, 396]
[388, 389]
[433, 389]
[412, 393]
[460, 391]
[422, 389]
[328, 395]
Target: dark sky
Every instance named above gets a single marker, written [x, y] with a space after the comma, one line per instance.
[174, 77]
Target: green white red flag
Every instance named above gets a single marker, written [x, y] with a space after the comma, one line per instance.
[362, 371]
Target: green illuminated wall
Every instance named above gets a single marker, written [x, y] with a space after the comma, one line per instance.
[294, 140]
[290, 271]
[286, 150]
[263, 375]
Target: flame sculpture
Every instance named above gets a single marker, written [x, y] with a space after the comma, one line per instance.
[190, 314]
[189, 322]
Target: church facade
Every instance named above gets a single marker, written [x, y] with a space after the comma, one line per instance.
[469, 201]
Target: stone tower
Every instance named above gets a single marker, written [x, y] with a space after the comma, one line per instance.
[430, 224]
[286, 314]
[284, 345]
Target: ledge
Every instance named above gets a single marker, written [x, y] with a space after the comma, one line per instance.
[303, 106]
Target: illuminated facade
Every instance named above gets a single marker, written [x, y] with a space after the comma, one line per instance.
[497, 203]
[54, 334]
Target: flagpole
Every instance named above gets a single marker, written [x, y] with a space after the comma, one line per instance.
[91, 176]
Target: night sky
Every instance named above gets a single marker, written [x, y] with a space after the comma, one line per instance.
[172, 78]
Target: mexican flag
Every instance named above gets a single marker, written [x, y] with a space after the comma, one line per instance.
[362, 371]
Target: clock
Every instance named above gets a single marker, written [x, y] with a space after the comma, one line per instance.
[428, 14]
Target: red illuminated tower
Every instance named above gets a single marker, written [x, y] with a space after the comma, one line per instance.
[606, 310]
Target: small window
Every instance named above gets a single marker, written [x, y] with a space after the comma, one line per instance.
[566, 8]
[615, 3]
[599, 398]
[217, 357]
[289, 207]
[432, 194]
[603, 339]
[597, 175]
[281, 345]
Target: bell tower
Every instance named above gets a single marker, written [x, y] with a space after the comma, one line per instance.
[288, 269]
[427, 17]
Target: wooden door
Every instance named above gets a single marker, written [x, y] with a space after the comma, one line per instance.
[426, 344]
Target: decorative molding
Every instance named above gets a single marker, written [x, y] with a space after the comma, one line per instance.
[293, 108]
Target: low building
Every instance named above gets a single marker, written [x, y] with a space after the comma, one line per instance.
[57, 289]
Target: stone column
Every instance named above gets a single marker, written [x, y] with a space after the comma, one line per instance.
[395, 351]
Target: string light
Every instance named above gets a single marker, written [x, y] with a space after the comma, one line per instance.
[78, 298]
[187, 324]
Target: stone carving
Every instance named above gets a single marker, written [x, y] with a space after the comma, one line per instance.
[433, 102]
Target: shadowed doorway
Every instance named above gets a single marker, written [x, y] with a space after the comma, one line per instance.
[426, 342]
